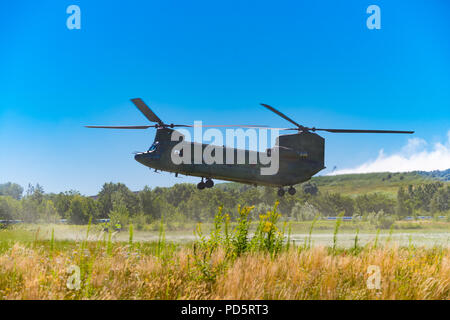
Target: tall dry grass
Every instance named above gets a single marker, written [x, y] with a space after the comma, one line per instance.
[229, 264]
[316, 273]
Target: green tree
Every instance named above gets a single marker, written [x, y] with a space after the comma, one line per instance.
[374, 202]
[11, 189]
[35, 193]
[81, 209]
[404, 207]
[304, 212]
[119, 216]
[130, 199]
[30, 210]
[62, 202]
[48, 212]
[441, 200]
[331, 204]
[148, 202]
[10, 208]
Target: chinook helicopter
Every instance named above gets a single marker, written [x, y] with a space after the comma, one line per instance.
[299, 155]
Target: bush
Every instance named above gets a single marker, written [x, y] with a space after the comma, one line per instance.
[119, 217]
[139, 221]
[381, 220]
[304, 212]
[267, 236]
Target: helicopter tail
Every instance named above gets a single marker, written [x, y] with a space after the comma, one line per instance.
[306, 145]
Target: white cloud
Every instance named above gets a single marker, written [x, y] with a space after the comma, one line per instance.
[416, 155]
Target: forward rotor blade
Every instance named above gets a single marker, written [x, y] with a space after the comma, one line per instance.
[175, 126]
[119, 127]
[281, 115]
[216, 126]
[149, 114]
[359, 131]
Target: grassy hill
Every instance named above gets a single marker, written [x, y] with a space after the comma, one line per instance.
[443, 175]
[354, 184]
[384, 182]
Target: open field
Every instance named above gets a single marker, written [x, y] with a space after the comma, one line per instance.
[414, 263]
[137, 272]
[418, 233]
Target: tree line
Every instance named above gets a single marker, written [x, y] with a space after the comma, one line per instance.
[184, 203]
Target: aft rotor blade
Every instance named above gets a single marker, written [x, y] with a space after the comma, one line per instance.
[272, 128]
[146, 111]
[228, 126]
[281, 114]
[343, 130]
[359, 131]
[119, 127]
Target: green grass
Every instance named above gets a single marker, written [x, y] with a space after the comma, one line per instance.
[306, 233]
[355, 184]
[27, 232]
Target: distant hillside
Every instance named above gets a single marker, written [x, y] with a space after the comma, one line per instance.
[436, 174]
[353, 184]
[385, 182]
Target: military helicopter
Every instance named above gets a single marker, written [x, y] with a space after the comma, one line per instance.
[300, 155]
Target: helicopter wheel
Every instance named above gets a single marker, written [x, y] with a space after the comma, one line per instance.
[209, 183]
[280, 192]
[201, 185]
[292, 191]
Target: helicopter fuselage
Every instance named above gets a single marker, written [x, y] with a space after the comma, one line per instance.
[299, 156]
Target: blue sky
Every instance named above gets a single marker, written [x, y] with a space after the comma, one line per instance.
[213, 61]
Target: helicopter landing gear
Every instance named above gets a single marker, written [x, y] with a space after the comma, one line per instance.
[209, 183]
[205, 184]
[292, 191]
[201, 185]
[280, 192]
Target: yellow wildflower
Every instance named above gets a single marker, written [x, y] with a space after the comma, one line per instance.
[267, 226]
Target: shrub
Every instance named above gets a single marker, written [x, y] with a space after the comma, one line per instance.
[381, 220]
[304, 212]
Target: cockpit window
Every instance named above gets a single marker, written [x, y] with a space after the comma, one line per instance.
[154, 146]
